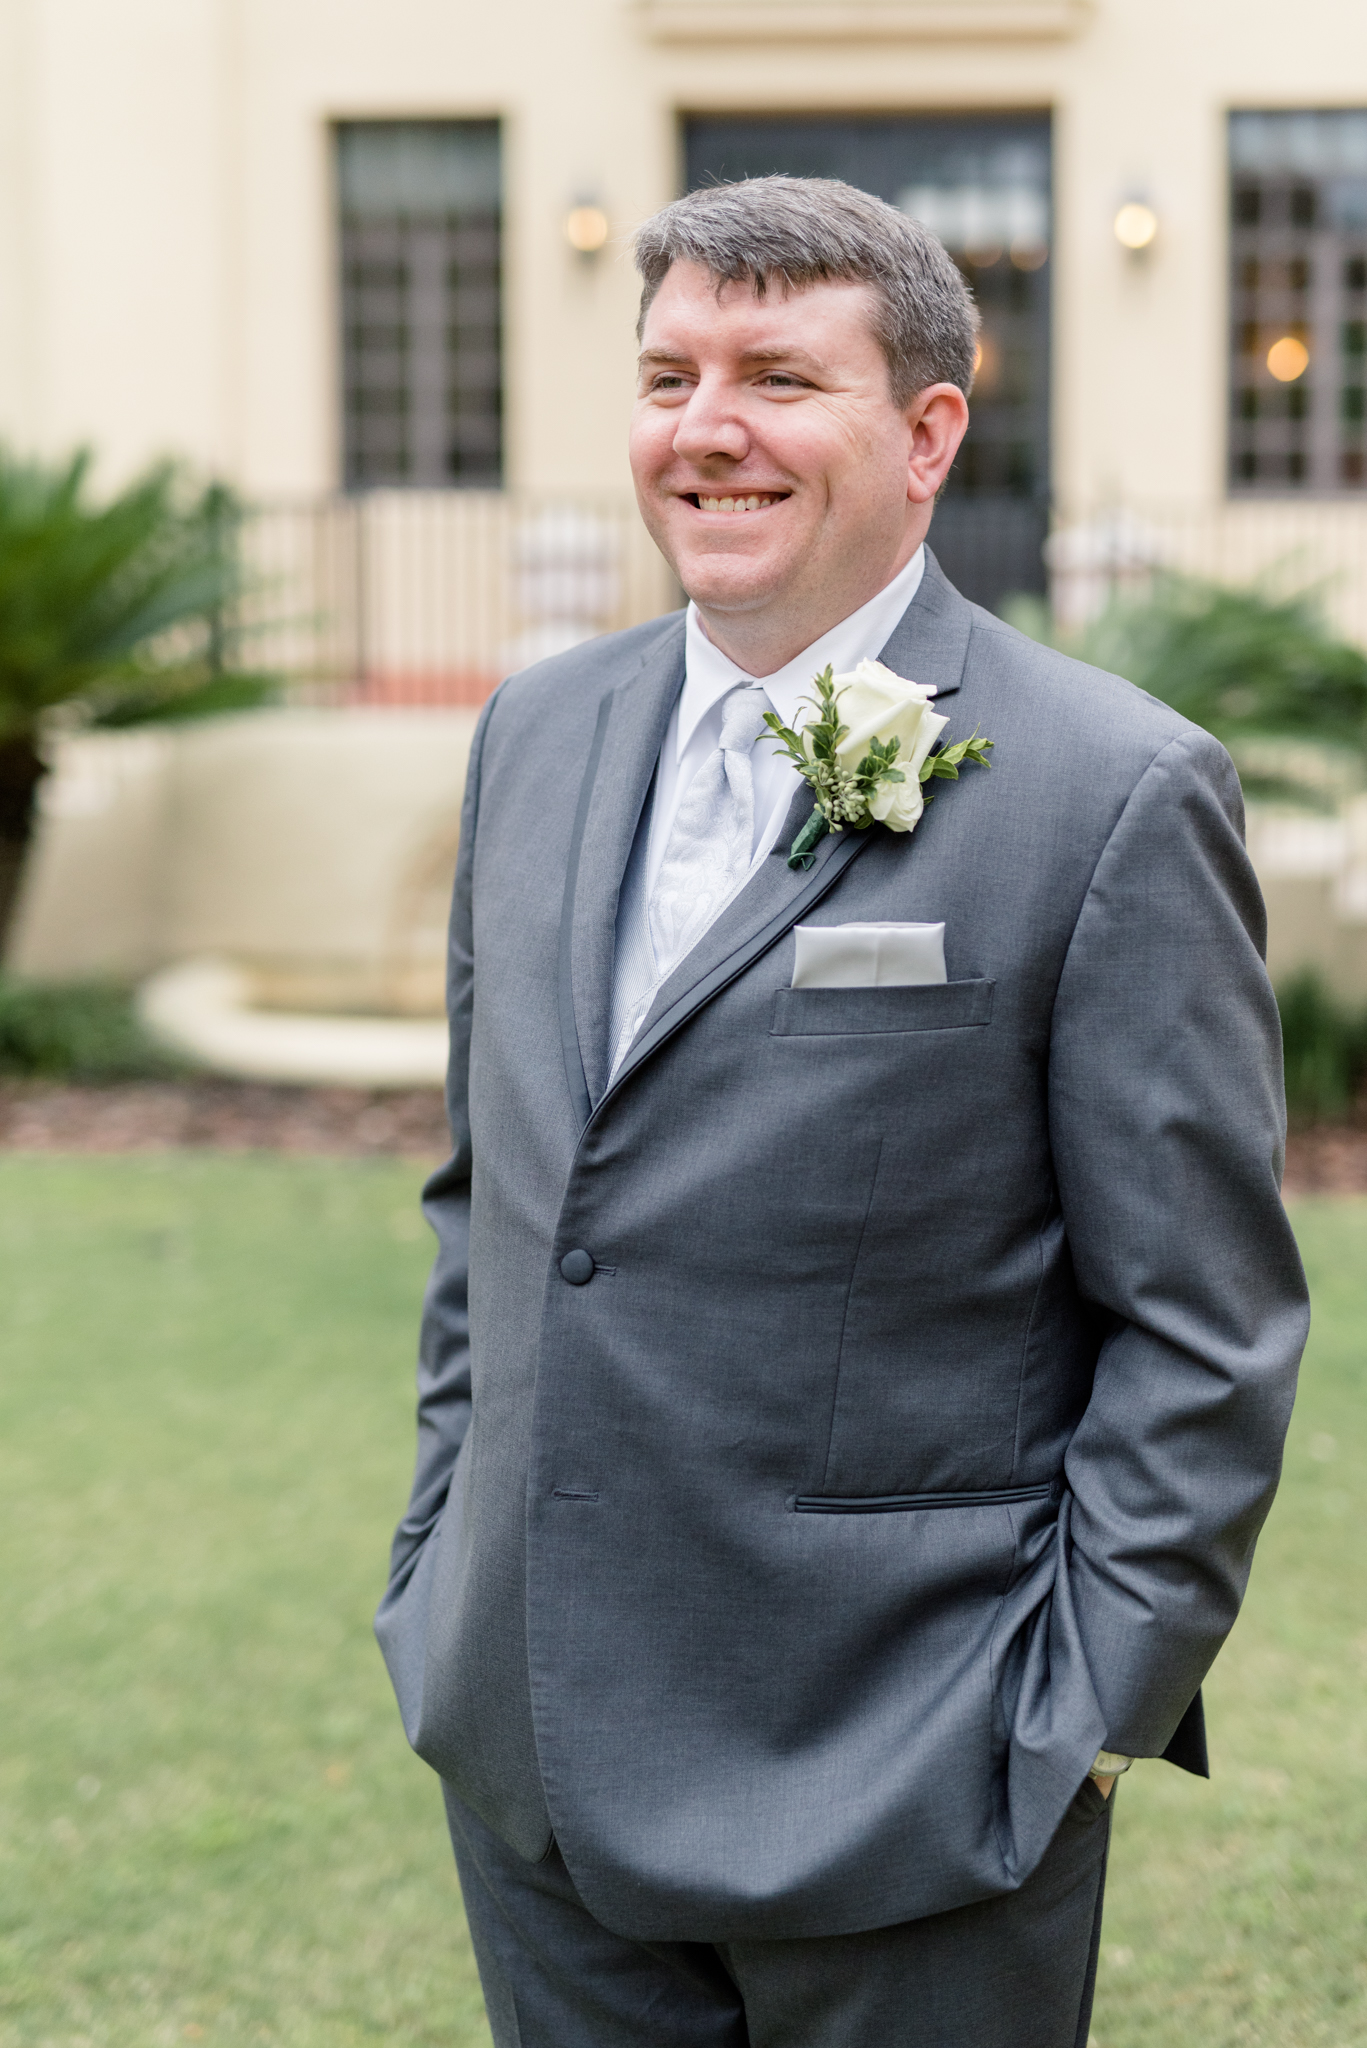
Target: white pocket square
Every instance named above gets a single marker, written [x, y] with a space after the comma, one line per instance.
[868, 955]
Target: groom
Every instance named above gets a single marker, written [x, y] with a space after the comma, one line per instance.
[855, 1368]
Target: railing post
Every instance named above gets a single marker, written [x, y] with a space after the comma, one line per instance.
[360, 599]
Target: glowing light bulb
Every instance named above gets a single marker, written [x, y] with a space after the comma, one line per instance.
[1288, 359]
[586, 229]
[1135, 225]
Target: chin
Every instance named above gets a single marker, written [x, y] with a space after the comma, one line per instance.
[712, 595]
[729, 585]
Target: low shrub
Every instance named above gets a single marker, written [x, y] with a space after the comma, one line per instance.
[77, 1031]
[1324, 1047]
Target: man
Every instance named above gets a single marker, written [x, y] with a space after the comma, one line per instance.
[863, 1400]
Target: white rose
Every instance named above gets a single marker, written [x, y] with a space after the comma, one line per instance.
[877, 705]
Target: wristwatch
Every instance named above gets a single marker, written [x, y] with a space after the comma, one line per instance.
[1109, 1765]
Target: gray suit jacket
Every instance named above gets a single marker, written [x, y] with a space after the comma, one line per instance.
[912, 1435]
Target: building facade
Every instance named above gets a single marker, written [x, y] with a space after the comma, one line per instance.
[371, 264]
[323, 243]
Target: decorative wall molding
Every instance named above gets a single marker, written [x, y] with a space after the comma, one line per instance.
[734, 21]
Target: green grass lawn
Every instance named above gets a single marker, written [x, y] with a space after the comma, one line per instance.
[1237, 1910]
[210, 1827]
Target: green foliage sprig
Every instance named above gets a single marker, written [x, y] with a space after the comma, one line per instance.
[950, 760]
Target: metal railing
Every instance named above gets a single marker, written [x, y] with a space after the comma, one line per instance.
[431, 597]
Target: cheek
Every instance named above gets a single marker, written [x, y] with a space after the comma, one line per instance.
[868, 486]
[874, 447]
[650, 442]
[845, 454]
[796, 439]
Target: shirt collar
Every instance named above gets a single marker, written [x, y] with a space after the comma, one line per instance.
[709, 674]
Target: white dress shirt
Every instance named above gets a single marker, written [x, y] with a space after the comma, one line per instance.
[694, 729]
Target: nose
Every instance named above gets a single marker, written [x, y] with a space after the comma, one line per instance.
[711, 426]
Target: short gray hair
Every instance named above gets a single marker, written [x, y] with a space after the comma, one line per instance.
[800, 231]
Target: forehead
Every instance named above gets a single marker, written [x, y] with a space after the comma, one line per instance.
[692, 313]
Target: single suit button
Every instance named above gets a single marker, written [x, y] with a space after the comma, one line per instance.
[577, 1267]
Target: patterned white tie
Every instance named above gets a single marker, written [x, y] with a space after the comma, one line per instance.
[706, 859]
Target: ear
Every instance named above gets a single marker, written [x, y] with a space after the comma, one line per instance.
[937, 420]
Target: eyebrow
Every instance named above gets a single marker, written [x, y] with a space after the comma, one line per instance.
[785, 355]
[749, 355]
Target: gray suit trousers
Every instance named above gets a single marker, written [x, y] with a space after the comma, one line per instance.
[1016, 1971]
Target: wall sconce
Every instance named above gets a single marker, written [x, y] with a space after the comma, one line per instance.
[1135, 226]
[586, 228]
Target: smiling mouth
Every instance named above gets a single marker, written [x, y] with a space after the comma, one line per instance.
[754, 501]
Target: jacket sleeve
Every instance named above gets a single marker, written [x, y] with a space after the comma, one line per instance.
[444, 1341]
[1168, 1128]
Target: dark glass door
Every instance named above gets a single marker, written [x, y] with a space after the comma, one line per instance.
[982, 183]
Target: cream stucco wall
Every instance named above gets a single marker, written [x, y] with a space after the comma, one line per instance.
[165, 205]
[314, 848]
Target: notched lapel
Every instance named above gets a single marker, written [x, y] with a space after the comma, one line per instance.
[929, 643]
[622, 767]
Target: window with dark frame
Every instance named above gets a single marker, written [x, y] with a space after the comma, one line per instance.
[420, 234]
[1298, 303]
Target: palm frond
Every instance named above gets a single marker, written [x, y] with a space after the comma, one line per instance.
[105, 601]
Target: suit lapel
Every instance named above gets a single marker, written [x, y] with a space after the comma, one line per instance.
[626, 746]
[929, 645]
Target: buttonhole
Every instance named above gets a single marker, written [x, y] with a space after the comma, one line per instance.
[609, 1270]
[564, 1493]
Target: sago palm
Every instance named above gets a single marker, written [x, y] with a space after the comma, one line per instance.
[113, 609]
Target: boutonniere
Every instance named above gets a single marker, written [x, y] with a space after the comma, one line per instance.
[872, 770]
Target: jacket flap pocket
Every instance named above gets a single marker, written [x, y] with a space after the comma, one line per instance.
[904, 1503]
[933, 1006]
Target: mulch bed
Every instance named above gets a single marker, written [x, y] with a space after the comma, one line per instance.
[256, 1116]
[233, 1116]
[1328, 1159]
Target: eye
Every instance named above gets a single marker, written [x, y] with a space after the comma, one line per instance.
[783, 380]
[667, 380]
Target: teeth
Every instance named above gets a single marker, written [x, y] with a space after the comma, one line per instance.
[754, 503]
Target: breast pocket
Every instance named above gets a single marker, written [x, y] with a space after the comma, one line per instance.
[933, 1006]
